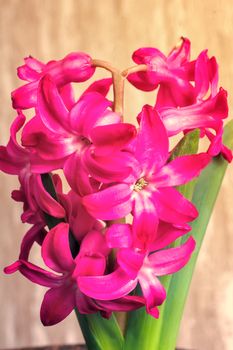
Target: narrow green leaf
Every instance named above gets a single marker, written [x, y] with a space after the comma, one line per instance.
[204, 197]
[99, 333]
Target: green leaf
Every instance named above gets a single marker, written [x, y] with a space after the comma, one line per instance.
[99, 333]
[204, 197]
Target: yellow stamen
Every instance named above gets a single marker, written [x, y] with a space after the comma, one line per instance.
[140, 184]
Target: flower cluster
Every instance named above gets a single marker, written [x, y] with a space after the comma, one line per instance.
[115, 227]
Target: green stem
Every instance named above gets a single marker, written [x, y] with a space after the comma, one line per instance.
[99, 333]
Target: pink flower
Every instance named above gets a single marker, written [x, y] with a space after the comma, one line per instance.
[16, 160]
[135, 266]
[149, 191]
[172, 73]
[75, 67]
[64, 294]
[88, 138]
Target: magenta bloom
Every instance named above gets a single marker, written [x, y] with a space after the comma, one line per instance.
[16, 160]
[75, 67]
[64, 295]
[149, 192]
[87, 139]
[84, 174]
[172, 73]
[139, 266]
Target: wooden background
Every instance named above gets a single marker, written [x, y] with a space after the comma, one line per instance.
[111, 30]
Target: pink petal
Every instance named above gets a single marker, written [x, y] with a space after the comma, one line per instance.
[94, 243]
[168, 233]
[213, 75]
[74, 67]
[177, 93]
[25, 97]
[81, 222]
[108, 287]
[56, 249]
[145, 220]
[77, 175]
[202, 75]
[31, 70]
[7, 164]
[130, 261]
[142, 81]
[101, 86]
[67, 95]
[84, 304]
[152, 140]
[119, 236]
[173, 207]
[86, 112]
[171, 260]
[35, 274]
[207, 114]
[111, 138]
[34, 234]
[57, 304]
[14, 149]
[127, 303]
[13, 157]
[107, 118]
[44, 199]
[109, 204]
[108, 168]
[180, 54]
[51, 107]
[93, 265]
[46, 144]
[152, 290]
[181, 170]
[42, 166]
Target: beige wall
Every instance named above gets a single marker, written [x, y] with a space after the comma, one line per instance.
[111, 30]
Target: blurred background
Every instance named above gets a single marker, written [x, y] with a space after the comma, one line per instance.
[112, 30]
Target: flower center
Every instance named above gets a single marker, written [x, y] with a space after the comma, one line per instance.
[140, 184]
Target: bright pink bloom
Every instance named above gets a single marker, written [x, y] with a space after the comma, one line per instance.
[64, 295]
[149, 192]
[16, 160]
[139, 266]
[75, 67]
[88, 138]
[172, 73]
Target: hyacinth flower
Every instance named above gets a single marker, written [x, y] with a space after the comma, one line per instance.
[172, 73]
[16, 160]
[88, 138]
[75, 67]
[97, 263]
[64, 294]
[173, 76]
[139, 266]
[206, 113]
[149, 192]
